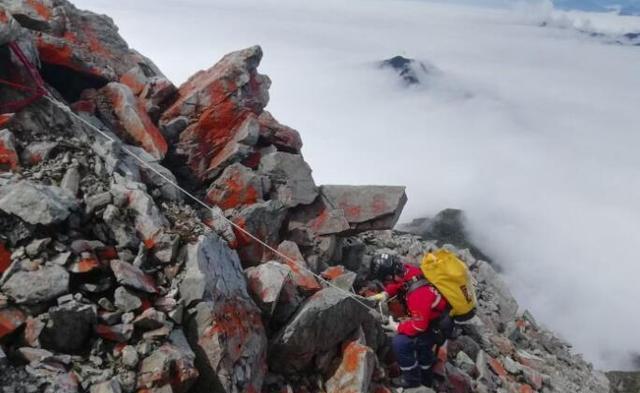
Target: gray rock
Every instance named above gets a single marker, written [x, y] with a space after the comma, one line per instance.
[125, 300]
[272, 287]
[150, 319]
[168, 364]
[131, 276]
[37, 152]
[326, 319]
[10, 29]
[301, 272]
[149, 221]
[367, 207]
[71, 181]
[317, 219]
[263, 220]
[130, 357]
[291, 178]
[37, 286]
[507, 305]
[97, 201]
[237, 186]
[36, 203]
[231, 356]
[355, 371]
[110, 386]
[69, 327]
[34, 248]
[122, 232]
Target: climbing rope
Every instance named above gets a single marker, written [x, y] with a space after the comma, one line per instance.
[142, 162]
[37, 92]
[41, 91]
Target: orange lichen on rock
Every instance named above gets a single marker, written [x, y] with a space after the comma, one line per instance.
[497, 367]
[5, 258]
[10, 320]
[8, 155]
[333, 272]
[40, 9]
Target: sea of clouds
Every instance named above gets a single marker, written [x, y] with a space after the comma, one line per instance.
[532, 130]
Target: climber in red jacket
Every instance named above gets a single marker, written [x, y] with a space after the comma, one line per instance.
[415, 338]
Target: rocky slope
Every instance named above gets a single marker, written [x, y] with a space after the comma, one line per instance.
[115, 281]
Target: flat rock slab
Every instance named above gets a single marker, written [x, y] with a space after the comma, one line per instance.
[368, 207]
[37, 286]
[36, 203]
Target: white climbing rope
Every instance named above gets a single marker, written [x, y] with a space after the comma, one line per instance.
[68, 110]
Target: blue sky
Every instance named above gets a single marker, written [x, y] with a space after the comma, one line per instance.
[599, 5]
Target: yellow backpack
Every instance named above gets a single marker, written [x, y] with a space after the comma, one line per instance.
[451, 277]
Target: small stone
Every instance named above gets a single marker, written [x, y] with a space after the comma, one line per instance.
[36, 203]
[97, 201]
[111, 386]
[37, 152]
[118, 333]
[150, 319]
[126, 301]
[37, 246]
[71, 181]
[131, 276]
[69, 327]
[106, 304]
[130, 357]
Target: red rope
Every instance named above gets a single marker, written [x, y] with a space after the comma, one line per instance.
[38, 91]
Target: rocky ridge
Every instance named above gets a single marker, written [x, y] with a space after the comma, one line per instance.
[112, 281]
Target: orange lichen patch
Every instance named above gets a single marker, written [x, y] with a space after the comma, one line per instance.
[40, 9]
[333, 272]
[107, 253]
[135, 121]
[504, 345]
[85, 265]
[379, 205]
[524, 388]
[351, 212]
[149, 243]
[497, 367]
[8, 158]
[10, 320]
[303, 278]
[59, 53]
[5, 258]
[3, 16]
[353, 357]
[5, 117]
[234, 321]
[235, 193]
[131, 80]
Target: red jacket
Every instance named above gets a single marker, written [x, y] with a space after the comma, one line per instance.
[424, 304]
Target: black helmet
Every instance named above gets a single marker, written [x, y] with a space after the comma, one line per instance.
[383, 265]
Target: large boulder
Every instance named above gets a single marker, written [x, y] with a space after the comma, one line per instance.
[37, 203]
[290, 177]
[272, 287]
[224, 327]
[320, 218]
[168, 365]
[80, 49]
[326, 319]
[368, 207]
[264, 221]
[127, 115]
[222, 104]
[238, 186]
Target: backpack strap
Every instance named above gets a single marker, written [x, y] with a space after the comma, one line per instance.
[417, 282]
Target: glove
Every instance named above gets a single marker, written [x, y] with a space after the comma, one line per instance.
[391, 325]
[379, 297]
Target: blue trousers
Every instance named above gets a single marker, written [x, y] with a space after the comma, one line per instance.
[414, 355]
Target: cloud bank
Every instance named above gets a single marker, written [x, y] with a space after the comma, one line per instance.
[533, 131]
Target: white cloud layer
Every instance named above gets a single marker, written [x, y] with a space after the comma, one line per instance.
[533, 131]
